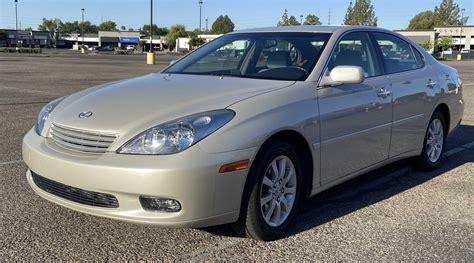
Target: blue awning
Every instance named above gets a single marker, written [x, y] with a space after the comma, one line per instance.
[129, 40]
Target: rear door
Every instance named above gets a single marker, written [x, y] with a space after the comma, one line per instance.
[355, 119]
[413, 85]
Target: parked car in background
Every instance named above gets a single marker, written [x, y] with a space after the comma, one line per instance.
[104, 48]
[242, 129]
[131, 47]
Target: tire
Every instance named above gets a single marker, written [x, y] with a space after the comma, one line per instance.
[262, 193]
[435, 137]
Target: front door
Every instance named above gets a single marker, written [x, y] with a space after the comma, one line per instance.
[355, 119]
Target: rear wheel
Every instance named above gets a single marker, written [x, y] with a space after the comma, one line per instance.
[434, 144]
[272, 195]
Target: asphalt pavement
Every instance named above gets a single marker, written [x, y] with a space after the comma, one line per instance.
[394, 213]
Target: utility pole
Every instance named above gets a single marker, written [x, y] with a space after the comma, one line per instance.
[200, 16]
[301, 19]
[207, 29]
[329, 17]
[82, 27]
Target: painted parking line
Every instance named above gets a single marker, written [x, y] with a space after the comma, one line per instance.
[460, 149]
[11, 162]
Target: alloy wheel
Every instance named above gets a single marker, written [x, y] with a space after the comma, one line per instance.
[435, 140]
[278, 191]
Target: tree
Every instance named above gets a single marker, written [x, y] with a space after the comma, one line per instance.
[427, 45]
[361, 13]
[107, 26]
[312, 19]
[174, 33]
[288, 21]
[222, 25]
[448, 14]
[445, 42]
[50, 25]
[71, 27]
[157, 31]
[422, 21]
[123, 28]
[142, 44]
[195, 40]
[130, 29]
[28, 29]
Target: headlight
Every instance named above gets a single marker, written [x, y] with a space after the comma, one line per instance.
[178, 135]
[44, 114]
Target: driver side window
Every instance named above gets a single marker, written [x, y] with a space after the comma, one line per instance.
[355, 49]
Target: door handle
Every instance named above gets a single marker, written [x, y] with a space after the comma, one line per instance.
[384, 93]
[431, 84]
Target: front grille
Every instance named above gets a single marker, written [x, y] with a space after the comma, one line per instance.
[75, 194]
[81, 141]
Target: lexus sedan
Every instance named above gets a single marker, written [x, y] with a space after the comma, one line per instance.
[242, 129]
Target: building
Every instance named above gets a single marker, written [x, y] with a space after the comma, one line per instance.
[461, 40]
[182, 43]
[118, 39]
[22, 38]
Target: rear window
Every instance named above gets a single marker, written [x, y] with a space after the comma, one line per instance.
[398, 55]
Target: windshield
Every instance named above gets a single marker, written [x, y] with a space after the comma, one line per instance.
[279, 56]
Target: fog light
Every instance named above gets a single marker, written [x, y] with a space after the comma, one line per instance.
[159, 204]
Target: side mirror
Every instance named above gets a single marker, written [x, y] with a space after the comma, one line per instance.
[343, 75]
[172, 62]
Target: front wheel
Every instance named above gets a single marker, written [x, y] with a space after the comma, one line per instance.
[273, 194]
[434, 143]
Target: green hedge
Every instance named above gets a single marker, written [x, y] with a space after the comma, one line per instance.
[20, 50]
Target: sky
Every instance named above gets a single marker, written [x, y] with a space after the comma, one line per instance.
[244, 13]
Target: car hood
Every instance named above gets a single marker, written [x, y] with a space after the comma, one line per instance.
[134, 105]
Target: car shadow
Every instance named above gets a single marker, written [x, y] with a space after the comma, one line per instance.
[369, 188]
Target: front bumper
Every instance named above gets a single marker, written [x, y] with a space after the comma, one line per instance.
[191, 177]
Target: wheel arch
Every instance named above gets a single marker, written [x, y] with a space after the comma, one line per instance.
[303, 150]
[444, 109]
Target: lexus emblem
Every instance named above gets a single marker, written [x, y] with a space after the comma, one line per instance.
[85, 114]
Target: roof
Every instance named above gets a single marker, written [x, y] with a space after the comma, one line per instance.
[318, 29]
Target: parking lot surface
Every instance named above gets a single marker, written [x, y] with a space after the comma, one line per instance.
[393, 213]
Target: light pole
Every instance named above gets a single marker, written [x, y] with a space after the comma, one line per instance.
[16, 22]
[207, 29]
[460, 37]
[151, 25]
[200, 16]
[301, 19]
[150, 56]
[82, 27]
[16, 15]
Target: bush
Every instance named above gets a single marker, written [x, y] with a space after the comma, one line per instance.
[21, 50]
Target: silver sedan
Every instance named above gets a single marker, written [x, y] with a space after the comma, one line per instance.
[243, 128]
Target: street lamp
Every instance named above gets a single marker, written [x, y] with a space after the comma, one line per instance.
[16, 15]
[151, 25]
[207, 29]
[150, 56]
[82, 27]
[462, 22]
[301, 19]
[16, 22]
[200, 16]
